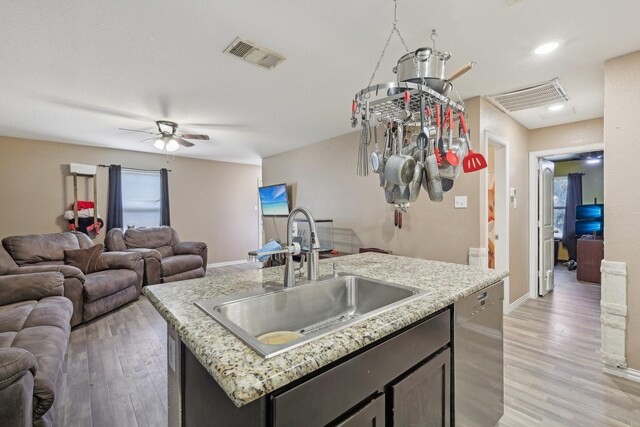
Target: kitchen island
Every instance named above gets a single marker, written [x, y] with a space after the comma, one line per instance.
[242, 377]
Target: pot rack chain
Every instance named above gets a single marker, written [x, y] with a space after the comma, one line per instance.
[394, 29]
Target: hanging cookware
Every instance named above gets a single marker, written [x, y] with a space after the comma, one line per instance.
[459, 147]
[376, 159]
[428, 64]
[399, 167]
[431, 177]
[414, 186]
[473, 161]
[447, 184]
[462, 70]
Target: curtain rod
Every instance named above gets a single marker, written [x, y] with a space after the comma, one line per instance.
[136, 169]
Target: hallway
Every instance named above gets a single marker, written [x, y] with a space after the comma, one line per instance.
[553, 373]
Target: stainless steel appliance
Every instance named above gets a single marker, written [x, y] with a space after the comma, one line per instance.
[478, 358]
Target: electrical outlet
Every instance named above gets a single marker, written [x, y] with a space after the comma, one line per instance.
[460, 202]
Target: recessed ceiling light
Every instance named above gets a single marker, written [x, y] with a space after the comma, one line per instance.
[546, 48]
[556, 107]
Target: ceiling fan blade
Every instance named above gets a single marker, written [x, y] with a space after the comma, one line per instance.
[193, 136]
[184, 142]
[148, 139]
[141, 131]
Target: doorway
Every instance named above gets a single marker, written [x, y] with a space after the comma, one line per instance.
[494, 206]
[550, 174]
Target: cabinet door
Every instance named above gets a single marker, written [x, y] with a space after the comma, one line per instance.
[371, 415]
[423, 398]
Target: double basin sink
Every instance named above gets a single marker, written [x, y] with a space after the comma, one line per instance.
[272, 321]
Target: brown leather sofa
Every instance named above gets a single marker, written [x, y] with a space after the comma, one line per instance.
[166, 258]
[34, 332]
[92, 294]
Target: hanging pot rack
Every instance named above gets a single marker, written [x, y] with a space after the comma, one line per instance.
[405, 103]
[390, 107]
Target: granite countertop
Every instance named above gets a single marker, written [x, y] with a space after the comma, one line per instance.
[246, 376]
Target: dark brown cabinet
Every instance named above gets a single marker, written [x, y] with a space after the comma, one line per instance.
[401, 381]
[590, 256]
[370, 415]
[423, 397]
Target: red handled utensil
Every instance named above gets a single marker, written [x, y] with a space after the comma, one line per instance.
[473, 162]
[451, 157]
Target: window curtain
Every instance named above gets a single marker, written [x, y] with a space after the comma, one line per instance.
[165, 215]
[574, 198]
[114, 213]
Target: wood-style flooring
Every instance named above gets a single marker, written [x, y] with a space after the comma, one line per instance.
[115, 367]
[553, 373]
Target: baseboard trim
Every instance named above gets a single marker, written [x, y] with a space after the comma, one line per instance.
[628, 373]
[225, 263]
[517, 303]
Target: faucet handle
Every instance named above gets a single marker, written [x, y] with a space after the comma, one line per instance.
[334, 267]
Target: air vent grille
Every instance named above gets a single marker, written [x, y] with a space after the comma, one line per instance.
[241, 49]
[539, 95]
[253, 54]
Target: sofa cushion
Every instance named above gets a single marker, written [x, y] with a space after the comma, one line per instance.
[13, 316]
[35, 248]
[180, 263]
[7, 263]
[103, 283]
[48, 344]
[88, 260]
[150, 237]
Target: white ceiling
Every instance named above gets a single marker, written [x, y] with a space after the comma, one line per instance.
[75, 71]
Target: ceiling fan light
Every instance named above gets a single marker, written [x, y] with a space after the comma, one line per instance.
[159, 144]
[172, 145]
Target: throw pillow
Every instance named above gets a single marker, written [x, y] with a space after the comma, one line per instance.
[87, 260]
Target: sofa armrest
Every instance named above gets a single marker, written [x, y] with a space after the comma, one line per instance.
[33, 286]
[68, 271]
[186, 248]
[14, 363]
[194, 248]
[122, 260]
[147, 253]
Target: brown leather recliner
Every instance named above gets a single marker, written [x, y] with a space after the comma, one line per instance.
[166, 258]
[34, 332]
[92, 294]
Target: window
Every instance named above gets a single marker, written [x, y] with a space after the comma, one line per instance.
[559, 205]
[140, 198]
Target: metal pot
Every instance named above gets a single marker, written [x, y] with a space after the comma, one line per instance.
[431, 65]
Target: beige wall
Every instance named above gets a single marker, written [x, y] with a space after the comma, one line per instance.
[587, 132]
[324, 180]
[592, 181]
[211, 201]
[621, 187]
[497, 123]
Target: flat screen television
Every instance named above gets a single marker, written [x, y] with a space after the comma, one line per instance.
[590, 219]
[593, 212]
[274, 200]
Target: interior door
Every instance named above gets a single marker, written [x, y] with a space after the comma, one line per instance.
[545, 227]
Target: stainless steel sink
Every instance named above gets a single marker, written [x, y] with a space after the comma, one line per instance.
[304, 312]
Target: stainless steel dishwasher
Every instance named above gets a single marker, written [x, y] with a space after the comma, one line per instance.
[478, 358]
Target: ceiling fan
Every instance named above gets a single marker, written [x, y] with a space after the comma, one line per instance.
[167, 137]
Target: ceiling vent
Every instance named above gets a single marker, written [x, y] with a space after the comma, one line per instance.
[539, 95]
[254, 54]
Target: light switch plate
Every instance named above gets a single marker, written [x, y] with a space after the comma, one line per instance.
[460, 202]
